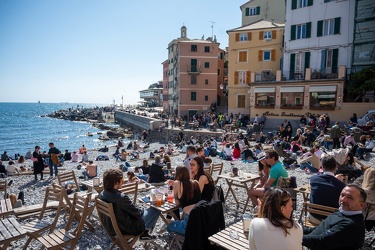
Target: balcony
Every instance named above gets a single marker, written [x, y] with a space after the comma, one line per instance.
[265, 76]
[148, 94]
[193, 70]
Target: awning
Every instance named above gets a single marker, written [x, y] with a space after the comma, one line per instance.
[264, 90]
[291, 89]
[323, 89]
[326, 96]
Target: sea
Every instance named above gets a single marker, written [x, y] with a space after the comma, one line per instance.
[22, 127]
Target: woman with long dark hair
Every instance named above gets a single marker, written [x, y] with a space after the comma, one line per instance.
[275, 222]
[187, 194]
[38, 163]
[206, 184]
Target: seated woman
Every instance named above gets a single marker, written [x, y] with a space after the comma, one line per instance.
[21, 159]
[275, 222]
[236, 151]
[350, 168]
[156, 174]
[145, 167]
[187, 194]
[206, 184]
[131, 177]
[263, 170]
[75, 157]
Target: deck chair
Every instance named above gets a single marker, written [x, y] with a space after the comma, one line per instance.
[281, 152]
[216, 168]
[285, 183]
[68, 204]
[3, 188]
[130, 188]
[35, 228]
[105, 211]
[68, 177]
[316, 209]
[63, 237]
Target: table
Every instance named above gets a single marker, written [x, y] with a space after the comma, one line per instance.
[90, 185]
[224, 239]
[240, 182]
[10, 230]
[5, 207]
[305, 191]
[166, 209]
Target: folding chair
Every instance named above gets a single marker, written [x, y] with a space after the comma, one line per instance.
[3, 188]
[67, 177]
[105, 211]
[315, 209]
[208, 169]
[130, 188]
[63, 237]
[216, 168]
[36, 227]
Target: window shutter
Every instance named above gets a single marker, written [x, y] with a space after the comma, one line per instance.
[307, 60]
[293, 32]
[337, 25]
[292, 63]
[248, 76]
[323, 61]
[327, 1]
[273, 55]
[246, 11]
[258, 10]
[294, 4]
[320, 29]
[274, 34]
[249, 36]
[235, 77]
[309, 2]
[260, 55]
[237, 37]
[308, 30]
[261, 35]
[335, 57]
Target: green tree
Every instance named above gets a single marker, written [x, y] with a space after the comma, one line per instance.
[361, 82]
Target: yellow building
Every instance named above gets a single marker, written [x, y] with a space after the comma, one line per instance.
[254, 55]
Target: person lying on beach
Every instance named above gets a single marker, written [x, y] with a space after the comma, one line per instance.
[105, 149]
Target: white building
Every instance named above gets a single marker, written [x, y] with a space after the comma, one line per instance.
[318, 35]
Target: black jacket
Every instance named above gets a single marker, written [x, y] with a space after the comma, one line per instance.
[156, 174]
[205, 220]
[128, 216]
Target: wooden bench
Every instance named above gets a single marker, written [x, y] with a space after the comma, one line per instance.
[32, 210]
[32, 172]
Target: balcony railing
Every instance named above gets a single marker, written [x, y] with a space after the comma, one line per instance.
[193, 70]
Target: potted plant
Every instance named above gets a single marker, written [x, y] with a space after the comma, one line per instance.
[316, 74]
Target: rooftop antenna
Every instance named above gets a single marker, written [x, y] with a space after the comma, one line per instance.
[212, 29]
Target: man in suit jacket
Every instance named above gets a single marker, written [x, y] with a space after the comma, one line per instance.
[326, 187]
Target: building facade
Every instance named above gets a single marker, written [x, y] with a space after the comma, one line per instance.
[165, 85]
[256, 10]
[153, 96]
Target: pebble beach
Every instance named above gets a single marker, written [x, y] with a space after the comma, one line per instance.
[34, 194]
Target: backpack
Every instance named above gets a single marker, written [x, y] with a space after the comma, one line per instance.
[218, 194]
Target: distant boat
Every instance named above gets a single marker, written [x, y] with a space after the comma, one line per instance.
[89, 134]
[38, 101]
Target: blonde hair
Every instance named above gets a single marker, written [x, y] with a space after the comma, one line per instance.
[13, 199]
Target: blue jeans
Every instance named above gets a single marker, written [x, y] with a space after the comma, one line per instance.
[360, 151]
[150, 217]
[51, 167]
[87, 175]
[178, 226]
[309, 166]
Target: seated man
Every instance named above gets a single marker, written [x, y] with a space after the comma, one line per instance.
[344, 229]
[369, 145]
[11, 168]
[67, 155]
[91, 170]
[131, 220]
[311, 162]
[325, 188]
[308, 138]
[5, 157]
[277, 171]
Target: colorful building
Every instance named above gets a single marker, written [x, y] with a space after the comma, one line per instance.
[255, 10]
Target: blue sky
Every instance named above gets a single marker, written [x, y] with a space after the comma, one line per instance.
[95, 51]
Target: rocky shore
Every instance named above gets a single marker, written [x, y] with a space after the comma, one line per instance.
[34, 193]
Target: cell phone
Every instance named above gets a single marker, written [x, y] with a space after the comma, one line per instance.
[146, 199]
[302, 189]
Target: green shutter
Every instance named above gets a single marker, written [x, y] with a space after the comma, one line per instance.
[292, 64]
[247, 11]
[293, 32]
[309, 2]
[327, 1]
[320, 29]
[337, 25]
[258, 10]
[307, 60]
[294, 4]
[308, 30]
[335, 57]
[323, 61]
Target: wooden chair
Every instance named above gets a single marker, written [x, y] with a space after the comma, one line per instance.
[63, 237]
[3, 188]
[105, 211]
[285, 183]
[208, 169]
[35, 228]
[315, 209]
[64, 178]
[130, 188]
[216, 168]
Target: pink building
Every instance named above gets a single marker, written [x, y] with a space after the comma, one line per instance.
[165, 86]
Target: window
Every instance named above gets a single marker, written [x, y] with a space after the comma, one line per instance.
[328, 27]
[243, 37]
[221, 55]
[266, 55]
[265, 99]
[193, 96]
[206, 65]
[267, 35]
[206, 98]
[206, 49]
[298, 63]
[242, 56]
[241, 101]
[296, 4]
[242, 77]
[194, 48]
[322, 100]
[252, 11]
[206, 81]
[300, 31]
[329, 61]
[218, 72]
[291, 97]
[193, 79]
[301, 3]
